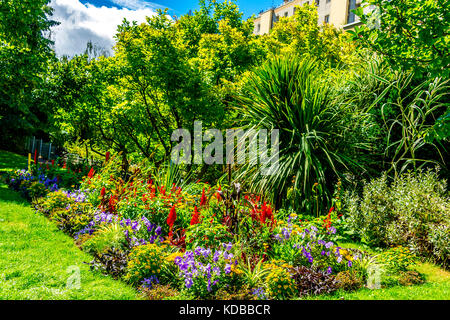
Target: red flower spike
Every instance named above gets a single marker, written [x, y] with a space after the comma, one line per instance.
[264, 215]
[108, 154]
[195, 217]
[203, 198]
[172, 217]
[91, 173]
[103, 192]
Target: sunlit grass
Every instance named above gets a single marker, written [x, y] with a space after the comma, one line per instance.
[35, 257]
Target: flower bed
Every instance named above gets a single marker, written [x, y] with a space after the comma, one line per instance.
[200, 241]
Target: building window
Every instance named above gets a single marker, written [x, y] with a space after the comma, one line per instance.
[327, 18]
[286, 14]
[259, 27]
[351, 15]
[328, 1]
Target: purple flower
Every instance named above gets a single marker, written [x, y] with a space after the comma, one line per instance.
[329, 270]
[188, 282]
[148, 283]
[259, 292]
[217, 255]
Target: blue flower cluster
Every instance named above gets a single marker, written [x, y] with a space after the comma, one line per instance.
[141, 232]
[148, 283]
[23, 175]
[78, 196]
[259, 293]
[137, 232]
[202, 266]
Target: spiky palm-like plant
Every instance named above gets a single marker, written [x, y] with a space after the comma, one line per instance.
[287, 94]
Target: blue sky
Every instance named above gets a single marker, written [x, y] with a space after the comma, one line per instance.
[177, 7]
[97, 20]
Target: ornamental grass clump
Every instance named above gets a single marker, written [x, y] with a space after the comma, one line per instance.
[314, 141]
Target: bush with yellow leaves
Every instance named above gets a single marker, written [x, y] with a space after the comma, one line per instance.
[146, 261]
[280, 284]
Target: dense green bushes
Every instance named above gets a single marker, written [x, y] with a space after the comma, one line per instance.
[413, 210]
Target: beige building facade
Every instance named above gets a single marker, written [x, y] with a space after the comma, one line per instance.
[336, 12]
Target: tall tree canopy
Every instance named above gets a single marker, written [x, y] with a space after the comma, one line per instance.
[24, 55]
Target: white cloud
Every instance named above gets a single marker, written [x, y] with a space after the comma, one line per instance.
[82, 23]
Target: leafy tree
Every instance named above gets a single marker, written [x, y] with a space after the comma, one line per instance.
[158, 79]
[302, 36]
[24, 56]
[412, 35]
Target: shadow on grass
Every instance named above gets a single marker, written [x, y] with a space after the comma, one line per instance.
[11, 161]
[8, 195]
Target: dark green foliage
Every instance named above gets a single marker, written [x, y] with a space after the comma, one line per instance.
[113, 262]
[24, 56]
[410, 34]
[286, 94]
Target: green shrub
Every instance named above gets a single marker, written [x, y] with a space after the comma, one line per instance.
[74, 217]
[412, 211]
[51, 203]
[287, 94]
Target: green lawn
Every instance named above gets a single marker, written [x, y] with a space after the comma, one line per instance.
[437, 287]
[36, 258]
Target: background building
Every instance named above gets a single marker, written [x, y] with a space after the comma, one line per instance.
[336, 12]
